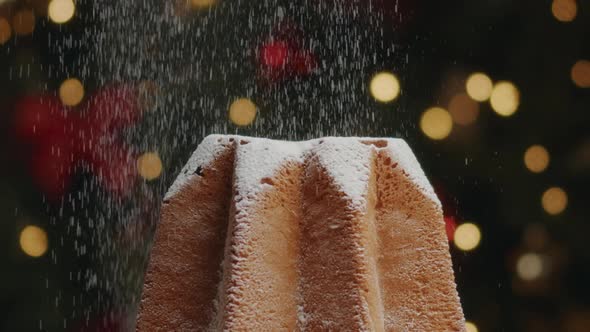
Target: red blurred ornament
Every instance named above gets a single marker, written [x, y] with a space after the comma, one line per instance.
[60, 138]
[283, 56]
[449, 211]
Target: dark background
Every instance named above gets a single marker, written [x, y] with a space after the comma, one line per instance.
[159, 76]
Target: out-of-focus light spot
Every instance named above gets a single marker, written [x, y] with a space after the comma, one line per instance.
[61, 11]
[581, 73]
[201, 4]
[529, 266]
[536, 158]
[384, 87]
[436, 123]
[242, 112]
[149, 166]
[71, 92]
[554, 200]
[5, 30]
[470, 327]
[23, 22]
[479, 86]
[467, 236]
[564, 10]
[33, 241]
[505, 98]
[463, 109]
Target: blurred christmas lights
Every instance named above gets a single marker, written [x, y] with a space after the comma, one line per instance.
[149, 166]
[61, 11]
[505, 98]
[23, 22]
[384, 87]
[580, 73]
[564, 10]
[470, 327]
[536, 158]
[479, 86]
[467, 236]
[71, 92]
[464, 110]
[5, 30]
[529, 266]
[33, 241]
[436, 123]
[554, 200]
[242, 112]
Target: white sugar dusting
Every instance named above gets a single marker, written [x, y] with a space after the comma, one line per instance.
[347, 160]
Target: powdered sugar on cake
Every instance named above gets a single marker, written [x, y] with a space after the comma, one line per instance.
[345, 159]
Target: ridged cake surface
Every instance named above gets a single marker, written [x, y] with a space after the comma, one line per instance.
[332, 234]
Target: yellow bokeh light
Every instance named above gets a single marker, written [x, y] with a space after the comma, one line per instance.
[23, 22]
[505, 98]
[33, 241]
[529, 266]
[201, 4]
[470, 327]
[242, 112]
[384, 87]
[436, 123]
[536, 158]
[61, 11]
[5, 30]
[71, 92]
[580, 73]
[564, 10]
[554, 200]
[467, 236]
[149, 166]
[479, 86]
[463, 109]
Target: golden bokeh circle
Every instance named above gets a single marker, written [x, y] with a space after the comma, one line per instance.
[61, 11]
[5, 30]
[529, 266]
[554, 200]
[33, 241]
[580, 73]
[384, 87]
[242, 112]
[463, 109]
[505, 98]
[536, 158]
[479, 86]
[149, 166]
[564, 10]
[467, 236]
[23, 22]
[71, 92]
[436, 123]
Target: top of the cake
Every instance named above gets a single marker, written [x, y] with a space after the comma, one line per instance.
[346, 159]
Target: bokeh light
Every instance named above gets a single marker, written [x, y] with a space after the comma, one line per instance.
[384, 87]
[242, 112]
[554, 200]
[33, 241]
[529, 266]
[536, 158]
[464, 110]
[149, 166]
[436, 123]
[505, 98]
[5, 30]
[564, 10]
[581, 73]
[479, 86]
[61, 11]
[470, 327]
[71, 92]
[467, 236]
[201, 4]
[23, 22]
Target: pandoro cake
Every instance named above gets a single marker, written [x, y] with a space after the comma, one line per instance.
[332, 234]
